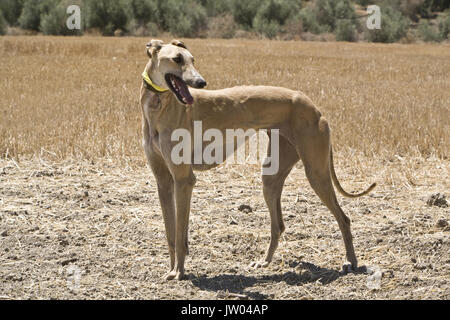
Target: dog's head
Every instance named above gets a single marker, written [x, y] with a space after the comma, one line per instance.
[173, 68]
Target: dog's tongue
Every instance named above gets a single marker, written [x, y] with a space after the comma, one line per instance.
[184, 91]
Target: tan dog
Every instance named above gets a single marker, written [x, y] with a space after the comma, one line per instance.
[168, 104]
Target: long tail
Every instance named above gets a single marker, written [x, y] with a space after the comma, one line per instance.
[338, 185]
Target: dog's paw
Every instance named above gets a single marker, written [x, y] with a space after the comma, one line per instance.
[348, 268]
[177, 275]
[259, 264]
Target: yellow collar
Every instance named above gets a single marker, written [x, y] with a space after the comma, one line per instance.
[151, 84]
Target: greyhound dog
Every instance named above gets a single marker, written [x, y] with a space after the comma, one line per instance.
[168, 104]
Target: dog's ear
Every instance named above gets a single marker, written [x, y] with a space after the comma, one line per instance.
[153, 47]
[178, 43]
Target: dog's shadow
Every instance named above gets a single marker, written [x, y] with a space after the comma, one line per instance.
[237, 284]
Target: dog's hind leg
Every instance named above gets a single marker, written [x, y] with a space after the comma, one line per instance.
[272, 188]
[314, 149]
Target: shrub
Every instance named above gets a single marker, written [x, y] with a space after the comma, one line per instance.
[344, 10]
[268, 28]
[437, 5]
[140, 13]
[11, 10]
[329, 12]
[222, 26]
[364, 3]
[430, 6]
[345, 31]
[198, 20]
[427, 32]
[294, 27]
[33, 10]
[143, 18]
[139, 30]
[409, 38]
[309, 21]
[444, 24]
[273, 14]
[106, 15]
[244, 12]
[182, 18]
[54, 21]
[2, 24]
[181, 26]
[394, 26]
[222, 19]
[186, 19]
[324, 15]
[216, 7]
[277, 10]
[30, 18]
[151, 29]
[411, 8]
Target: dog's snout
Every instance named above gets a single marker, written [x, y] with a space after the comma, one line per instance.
[200, 83]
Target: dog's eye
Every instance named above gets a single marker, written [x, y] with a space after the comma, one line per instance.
[177, 59]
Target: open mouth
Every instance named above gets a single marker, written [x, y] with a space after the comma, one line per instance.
[179, 88]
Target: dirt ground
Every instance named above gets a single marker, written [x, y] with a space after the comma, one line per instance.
[79, 230]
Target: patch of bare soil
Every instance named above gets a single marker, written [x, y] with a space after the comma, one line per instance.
[75, 230]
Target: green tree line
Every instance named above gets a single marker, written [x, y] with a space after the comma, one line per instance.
[231, 18]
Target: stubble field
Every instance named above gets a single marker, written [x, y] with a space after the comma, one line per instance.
[79, 212]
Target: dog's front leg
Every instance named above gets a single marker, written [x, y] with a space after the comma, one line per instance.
[184, 181]
[165, 186]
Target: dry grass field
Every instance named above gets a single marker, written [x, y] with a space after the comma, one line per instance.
[79, 214]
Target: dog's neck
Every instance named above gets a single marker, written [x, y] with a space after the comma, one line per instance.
[150, 85]
[153, 79]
